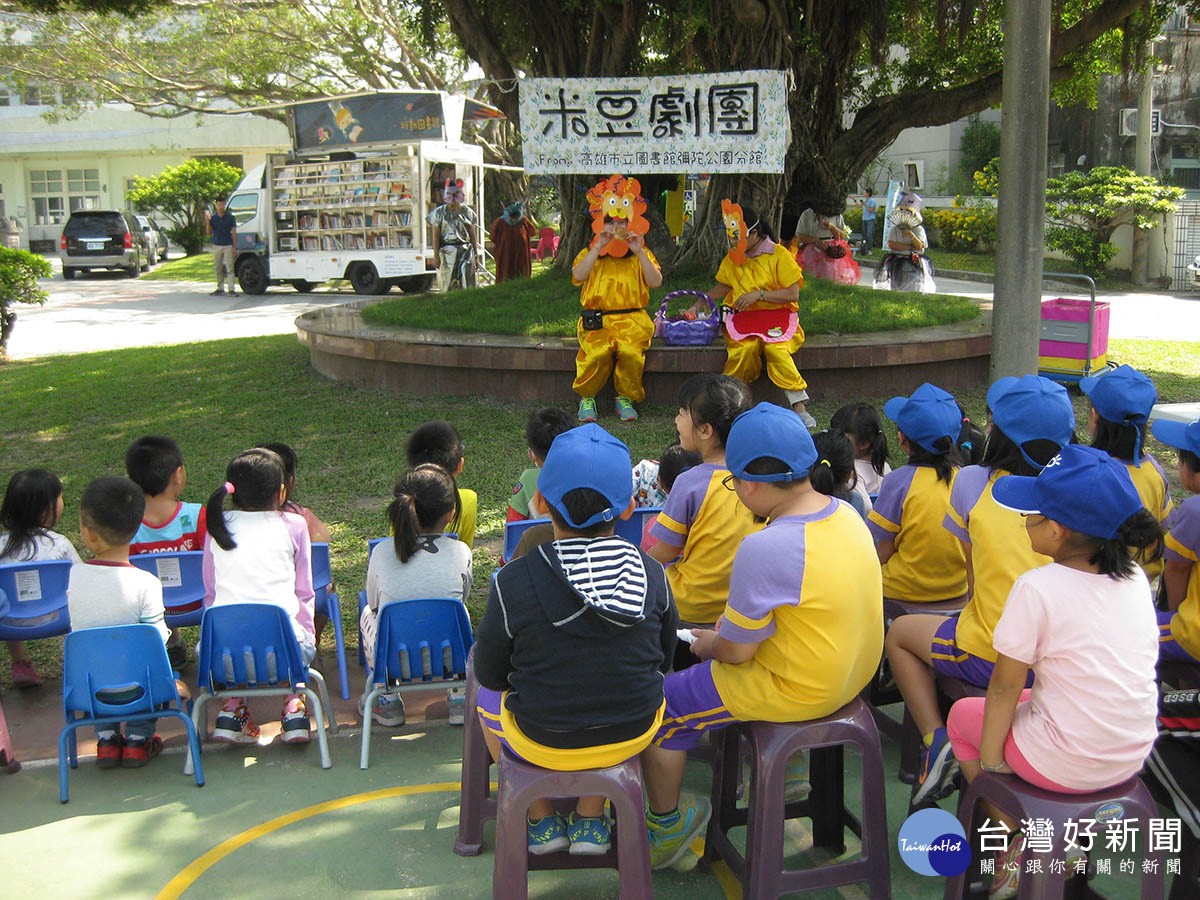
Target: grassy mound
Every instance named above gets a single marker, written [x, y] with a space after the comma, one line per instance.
[548, 305]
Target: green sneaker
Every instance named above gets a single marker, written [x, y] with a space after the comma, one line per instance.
[625, 409]
[796, 785]
[587, 409]
[548, 835]
[668, 844]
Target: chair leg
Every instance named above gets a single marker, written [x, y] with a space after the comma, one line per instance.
[334, 612]
[200, 726]
[331, 722]
[322, 740]
[474, 794]
[193, 745]
[64, 736]
[365, 751]
[73, 746]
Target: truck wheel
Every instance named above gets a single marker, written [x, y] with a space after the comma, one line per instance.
[365, 279]
[68, 273]
[252, 275]
[416, 284]
[304, 287]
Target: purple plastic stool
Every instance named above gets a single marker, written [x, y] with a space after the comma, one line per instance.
[7, 758]
[1024, 801]
[761, 870]
[521, 784]
[476, 805]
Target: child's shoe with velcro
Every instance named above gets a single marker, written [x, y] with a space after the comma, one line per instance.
[387, 710]
[139, 751]
[548, 835]
[589, 836]
[108, 751]
[295, 721]
[234, 725]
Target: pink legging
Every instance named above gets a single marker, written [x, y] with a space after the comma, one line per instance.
[965, 729]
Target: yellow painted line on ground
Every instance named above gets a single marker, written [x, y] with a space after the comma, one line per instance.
[726, 879]
[188, 876]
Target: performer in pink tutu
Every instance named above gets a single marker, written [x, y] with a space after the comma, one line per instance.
[822, 250]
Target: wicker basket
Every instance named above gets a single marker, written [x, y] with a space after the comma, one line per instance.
[680, 332]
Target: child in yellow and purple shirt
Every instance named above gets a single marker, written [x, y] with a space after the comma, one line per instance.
[1179, 626]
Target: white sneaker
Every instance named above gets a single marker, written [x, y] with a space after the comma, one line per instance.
[388, 711]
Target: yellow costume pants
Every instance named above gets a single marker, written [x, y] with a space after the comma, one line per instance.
[625, 336]
[744, 361]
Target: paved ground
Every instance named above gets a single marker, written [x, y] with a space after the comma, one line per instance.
[106, 311]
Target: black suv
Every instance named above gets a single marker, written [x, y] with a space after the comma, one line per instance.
[103, 239]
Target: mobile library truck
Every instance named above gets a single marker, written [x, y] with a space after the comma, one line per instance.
[350, 200]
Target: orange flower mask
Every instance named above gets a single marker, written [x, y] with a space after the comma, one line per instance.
[618, 200]
[735, 230]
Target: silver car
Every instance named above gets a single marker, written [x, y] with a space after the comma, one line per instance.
[156, 238]
[103, 239]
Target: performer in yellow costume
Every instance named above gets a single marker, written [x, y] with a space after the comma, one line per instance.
[760, 274]
[616, 272]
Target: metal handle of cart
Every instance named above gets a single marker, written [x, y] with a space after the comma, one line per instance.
[1091, 319]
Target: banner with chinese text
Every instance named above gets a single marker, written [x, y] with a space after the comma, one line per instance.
[733, 122]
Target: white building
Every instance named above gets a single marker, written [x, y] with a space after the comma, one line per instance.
[48, 170]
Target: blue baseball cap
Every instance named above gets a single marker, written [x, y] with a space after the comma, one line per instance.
[1032, 408]
[1082, 488]
[925, 417]
[587, 457]
[1180, 435]
[770, 430]
[1124, 396]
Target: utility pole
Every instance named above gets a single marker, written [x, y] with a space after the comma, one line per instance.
[1020, 220]
[1141, 162]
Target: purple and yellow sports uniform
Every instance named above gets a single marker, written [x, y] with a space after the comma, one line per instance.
[1179, 631]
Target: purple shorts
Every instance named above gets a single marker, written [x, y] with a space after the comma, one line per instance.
[1168, 647]
[693, 707]
[949, 659]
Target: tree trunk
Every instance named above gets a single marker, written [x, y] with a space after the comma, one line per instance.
[706, 245]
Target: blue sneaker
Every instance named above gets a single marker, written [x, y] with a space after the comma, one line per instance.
[669, 843]
[548, 835]
[938, 768]
[589, 836]
[625, 410]
[587, 409]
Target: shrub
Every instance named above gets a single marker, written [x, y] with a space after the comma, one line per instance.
[853, 217]
[970, 228]
[183, 193]
[19, 274]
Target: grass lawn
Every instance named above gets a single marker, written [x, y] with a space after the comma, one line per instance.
[185, 268]
[548, 305]
[75, 415]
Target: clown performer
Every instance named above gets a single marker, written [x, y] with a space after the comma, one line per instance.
[904, 267]
[617, 272]
[454, 241]
[510, 235]
[762, 281]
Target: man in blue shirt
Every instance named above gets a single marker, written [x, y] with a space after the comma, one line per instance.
[868, 221]
[222, 227]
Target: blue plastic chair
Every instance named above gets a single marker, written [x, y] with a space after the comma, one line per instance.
[117, 660]
[37, 599]
[250, 650]
[181, 573]
[631, 529]
[329, 603]
[416, 640]
[513, 532]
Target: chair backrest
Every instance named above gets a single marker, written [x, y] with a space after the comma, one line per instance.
[546, 234]
[322, 575]
[418, 639]
[37, 590]
[513, 532]
[249, 644]
[114, 671]
[631, 529]
[181, 573]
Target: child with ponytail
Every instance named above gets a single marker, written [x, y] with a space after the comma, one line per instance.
[421, 561]
[834, 474]
[860, 423]
[1084, 625]
[257, 553]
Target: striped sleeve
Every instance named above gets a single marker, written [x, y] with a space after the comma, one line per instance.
[888, 510]
[682, 506]
[968, 488]
[1183, 541]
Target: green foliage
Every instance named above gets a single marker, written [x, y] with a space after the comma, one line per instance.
[19, 274]
[969, 228]
[1083, 209]
[853, 217]
[987, 179]
[182, 192]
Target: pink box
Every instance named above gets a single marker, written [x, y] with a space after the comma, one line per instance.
[1064, 328]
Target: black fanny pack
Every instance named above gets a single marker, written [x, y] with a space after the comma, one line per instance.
[593, 319]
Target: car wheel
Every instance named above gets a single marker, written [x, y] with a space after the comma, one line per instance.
[304, 287]
[153, 258]
[365, 279]
[145, 265]
[252, 275]
[68, 273]
[133, 270]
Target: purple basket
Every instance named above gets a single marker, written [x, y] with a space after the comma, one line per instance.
[680, 332]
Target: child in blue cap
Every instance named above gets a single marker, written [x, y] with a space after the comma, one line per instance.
[801, 632]
[1179, 626]
[922, 561]
[576, 638]
[1121, 404]
[1084, 626]
[1031, 420]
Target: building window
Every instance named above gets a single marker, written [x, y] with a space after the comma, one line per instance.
[51, 202]
[1187, 177]
[37, 95]
[2, 213]
[82, 180]
[4, 95]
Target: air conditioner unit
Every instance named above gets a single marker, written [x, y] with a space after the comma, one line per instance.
[1129, 119]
